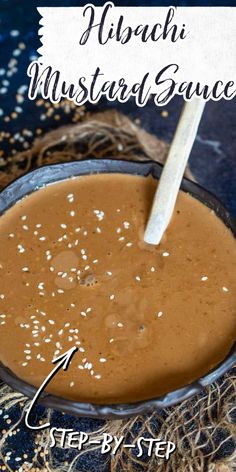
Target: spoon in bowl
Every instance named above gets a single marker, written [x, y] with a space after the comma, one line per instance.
[173, 171]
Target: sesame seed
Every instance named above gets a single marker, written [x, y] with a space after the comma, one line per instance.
[112, 297]
[159, 314]
[41, 285]
[102, 359]
[137, 278]
[99, 214]
[70, 197]
[165, 254]
[225, 289]
[14, 33]
[126, 224]
[21, 249]
[204, 278]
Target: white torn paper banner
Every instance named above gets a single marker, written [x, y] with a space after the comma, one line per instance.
[119, 52]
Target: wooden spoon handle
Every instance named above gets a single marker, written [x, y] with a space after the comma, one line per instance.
[172, 174]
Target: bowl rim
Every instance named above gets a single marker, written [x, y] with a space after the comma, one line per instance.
[52, 173]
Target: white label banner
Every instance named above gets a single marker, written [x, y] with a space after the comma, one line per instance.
[190, 51]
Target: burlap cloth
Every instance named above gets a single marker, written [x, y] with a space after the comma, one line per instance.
[203, 429]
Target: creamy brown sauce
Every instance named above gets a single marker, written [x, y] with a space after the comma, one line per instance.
[75, 272]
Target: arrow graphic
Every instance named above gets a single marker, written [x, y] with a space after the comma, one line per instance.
[63, 362]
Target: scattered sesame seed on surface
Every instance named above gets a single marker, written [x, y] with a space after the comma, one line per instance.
[21, 248]
[126, 224]
[165, 254]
